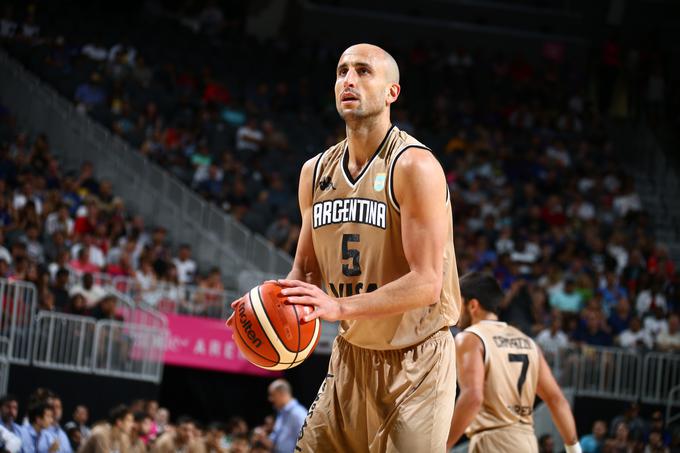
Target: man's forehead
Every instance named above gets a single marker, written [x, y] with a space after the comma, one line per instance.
[356, 54]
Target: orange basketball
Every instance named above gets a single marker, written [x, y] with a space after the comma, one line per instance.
[270, 333]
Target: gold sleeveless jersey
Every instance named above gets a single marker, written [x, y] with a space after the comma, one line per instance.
[356, 231]
[511, 375]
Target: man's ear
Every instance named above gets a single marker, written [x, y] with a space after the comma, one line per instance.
[393, 91]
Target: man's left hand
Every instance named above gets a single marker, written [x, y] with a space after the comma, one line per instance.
[301, 293]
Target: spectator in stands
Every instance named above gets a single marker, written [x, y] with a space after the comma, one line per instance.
[140, 429]
[593, 442]
[81, 416]
[182, 438]
[162, 420]
[249, 137]
[90, 94]
[567, 299]
[77, 305]
[9, 442]
[621, 441]
[113, 435]
[592, 333]
[632, 422]
[553, 338]
[289, 419]
[670, 340]
[546, 444]
[55, 429]
[240, 444]
[650, 298]
[9, 411]
[75, 437]
[91, 291]
[83, 264]
[186, 267]
[620, 317]
[214, 439]
[36, 436]
[655, 323]
[656, 426]
[106, 309]
[635, 337]
[60, 290]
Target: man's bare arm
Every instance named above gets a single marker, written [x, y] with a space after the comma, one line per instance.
[305, 266]
[548, 390]
[470, 366]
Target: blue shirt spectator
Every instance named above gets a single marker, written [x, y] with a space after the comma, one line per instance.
[290, 418]
[36, 434]
[33, 441]
[593, 442]
[60, 435]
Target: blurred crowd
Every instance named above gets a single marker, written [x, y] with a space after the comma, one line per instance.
[631, 433]
[541, 199]
[143, 426]
[67, 232]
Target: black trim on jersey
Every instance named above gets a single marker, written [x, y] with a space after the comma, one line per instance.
[392, 167]
[480, 339]
[316, 167]
[345, 160]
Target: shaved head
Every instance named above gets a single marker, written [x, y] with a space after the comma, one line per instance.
[366, 84]
[381, 55]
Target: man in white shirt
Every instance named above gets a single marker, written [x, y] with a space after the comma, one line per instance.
[186, 267]
[648, 299]
[554, 338]
[90, 291]
[249, 137]
[634, 337]
[670, 340]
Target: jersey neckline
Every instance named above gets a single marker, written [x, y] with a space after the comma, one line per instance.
[345, 161]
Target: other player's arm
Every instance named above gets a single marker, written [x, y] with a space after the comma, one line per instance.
[470, 366]
[420, 189]
[548, 390]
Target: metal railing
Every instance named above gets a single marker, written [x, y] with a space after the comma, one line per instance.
[129, 350]
[64, 342]
[178, 299]
[19, 302]
[217, 238]
[621, 374]
[4, 365]
[660, 374]
[132, 348]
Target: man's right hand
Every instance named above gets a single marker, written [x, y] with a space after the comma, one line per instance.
[54, 448]
[234, 304]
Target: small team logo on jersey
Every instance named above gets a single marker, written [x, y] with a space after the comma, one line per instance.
[326, 183]
[379, 183]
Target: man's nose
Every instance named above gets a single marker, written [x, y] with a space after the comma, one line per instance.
[350, 79]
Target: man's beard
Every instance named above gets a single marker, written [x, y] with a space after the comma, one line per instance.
[357, 115]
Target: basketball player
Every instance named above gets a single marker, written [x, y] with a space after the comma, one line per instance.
[500, 372]
[377, 232]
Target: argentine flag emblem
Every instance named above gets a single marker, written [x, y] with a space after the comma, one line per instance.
[379, 183]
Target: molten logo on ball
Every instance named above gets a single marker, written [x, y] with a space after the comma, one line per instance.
[248, 326]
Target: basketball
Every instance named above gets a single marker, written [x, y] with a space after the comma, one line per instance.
[270, 333]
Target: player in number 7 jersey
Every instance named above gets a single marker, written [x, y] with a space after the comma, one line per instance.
[500, 372]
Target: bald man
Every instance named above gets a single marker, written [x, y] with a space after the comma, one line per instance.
[377, 232]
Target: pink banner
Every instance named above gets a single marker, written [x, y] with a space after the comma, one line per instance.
[206, 343]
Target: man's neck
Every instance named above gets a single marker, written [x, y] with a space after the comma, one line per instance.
[363, 138]
[486, 317]
[36, 428]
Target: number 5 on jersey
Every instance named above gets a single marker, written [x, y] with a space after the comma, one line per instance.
[350, 253]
